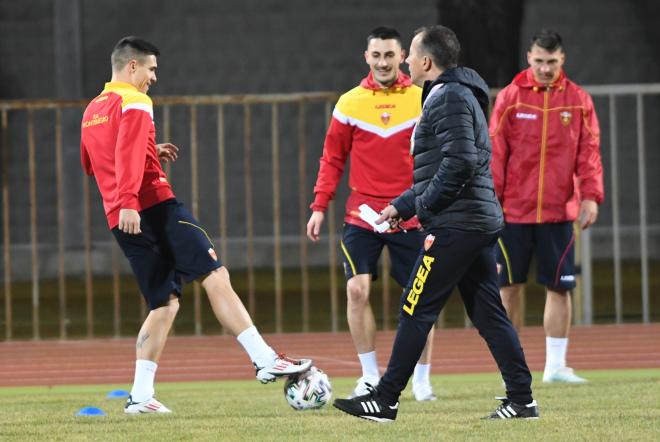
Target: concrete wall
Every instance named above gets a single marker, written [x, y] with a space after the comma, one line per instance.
[234, 47]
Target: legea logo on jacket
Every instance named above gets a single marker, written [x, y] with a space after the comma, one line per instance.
[526, 116]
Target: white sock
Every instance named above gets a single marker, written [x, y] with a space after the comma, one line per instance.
[260, 353]
[555, 353]
[369, 364]
[143, 384]
[422, 374]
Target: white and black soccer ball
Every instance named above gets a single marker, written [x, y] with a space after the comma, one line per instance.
[308, 390]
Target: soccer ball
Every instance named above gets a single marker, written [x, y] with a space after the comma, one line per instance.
[308, 390]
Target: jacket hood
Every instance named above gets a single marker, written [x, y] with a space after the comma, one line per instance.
[525, 79]
[467, 77]
[402, 81]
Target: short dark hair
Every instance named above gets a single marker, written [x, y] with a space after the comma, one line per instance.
[548, 40]
[131, 48]
[441, 44]
[384, 33]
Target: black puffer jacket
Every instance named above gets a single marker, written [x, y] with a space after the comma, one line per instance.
[452, 186]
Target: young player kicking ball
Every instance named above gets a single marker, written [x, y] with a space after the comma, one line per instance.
[162, 241]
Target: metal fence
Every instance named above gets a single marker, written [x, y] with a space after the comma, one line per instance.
[20, 116]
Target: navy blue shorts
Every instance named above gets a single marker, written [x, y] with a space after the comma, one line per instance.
[552, 245]
[171, 247]
[362, 247]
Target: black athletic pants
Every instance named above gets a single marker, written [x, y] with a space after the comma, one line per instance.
[467, 260]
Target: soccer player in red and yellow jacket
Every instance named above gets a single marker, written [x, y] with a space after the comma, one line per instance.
[163, 242]
[548, 173]
[372, 125]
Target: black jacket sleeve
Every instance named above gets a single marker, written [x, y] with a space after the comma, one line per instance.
[405, 204]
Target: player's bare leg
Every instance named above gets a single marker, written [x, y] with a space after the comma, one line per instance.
[154, 331]
[557, 314]
[361, 321]
[232, 315]
[512, 300]
[362, 324]
[227, 306]
[557, 323]
[421, 383]
[427, 353]
[148, 348]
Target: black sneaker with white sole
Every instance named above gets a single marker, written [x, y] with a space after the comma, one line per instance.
[369, 406]
[511, 410]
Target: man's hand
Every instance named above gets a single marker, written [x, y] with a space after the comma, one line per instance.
[314, 225]
[129, 221]
[391, 215]
[588, 213]
[167, 152]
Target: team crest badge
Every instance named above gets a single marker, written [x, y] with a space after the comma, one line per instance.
[385, 118]
[565, 118]
[428, 242]
[213, 255]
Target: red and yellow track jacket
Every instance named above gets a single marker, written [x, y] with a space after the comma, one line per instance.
[118, 147]
[546, 154]
[373, 126]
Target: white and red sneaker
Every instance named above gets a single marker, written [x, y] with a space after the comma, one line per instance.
[281, 366]
[148, 406]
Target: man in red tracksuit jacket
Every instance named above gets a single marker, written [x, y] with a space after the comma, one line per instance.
[163, 242]
[548, 173]
[372, 124]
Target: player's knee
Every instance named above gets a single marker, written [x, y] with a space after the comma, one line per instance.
[217, 280]
[357, 293]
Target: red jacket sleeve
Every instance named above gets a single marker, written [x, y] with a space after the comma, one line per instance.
[589, 165]
[130, 156]
[498, 127]
[85, 161]
[336, 148]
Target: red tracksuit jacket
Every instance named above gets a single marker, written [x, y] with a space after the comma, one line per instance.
[546, 154]
[373, 126]
[118, 147]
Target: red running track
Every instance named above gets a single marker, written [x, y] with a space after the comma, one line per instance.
[104, 361]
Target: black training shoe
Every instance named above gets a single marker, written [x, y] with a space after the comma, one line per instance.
[368, 406]
[511, 410]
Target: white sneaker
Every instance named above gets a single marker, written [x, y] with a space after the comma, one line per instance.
[148, 406]
[563, 375]
[362, 386]
[423, 392]
[281, 366]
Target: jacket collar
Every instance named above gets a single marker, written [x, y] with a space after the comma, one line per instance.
[402, 81]
[525, 79]
[114, 85]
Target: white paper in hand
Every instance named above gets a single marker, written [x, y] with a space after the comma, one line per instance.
[370, 216]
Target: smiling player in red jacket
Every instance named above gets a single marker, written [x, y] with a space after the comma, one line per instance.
[372, 124]
[163, 242]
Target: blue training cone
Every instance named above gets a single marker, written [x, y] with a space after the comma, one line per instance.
[90, 411]
[117, 394]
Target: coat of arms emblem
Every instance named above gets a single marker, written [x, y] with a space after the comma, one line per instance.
[428, 242]
[385, 118]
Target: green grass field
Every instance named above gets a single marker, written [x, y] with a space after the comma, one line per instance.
[617, 405]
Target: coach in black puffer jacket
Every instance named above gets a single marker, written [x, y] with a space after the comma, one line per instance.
[454, 198]
[453, 187]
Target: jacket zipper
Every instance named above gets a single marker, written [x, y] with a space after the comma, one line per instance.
[544, 141]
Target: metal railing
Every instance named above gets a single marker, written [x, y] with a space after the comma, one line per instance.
[612, 93]
[297, 110]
